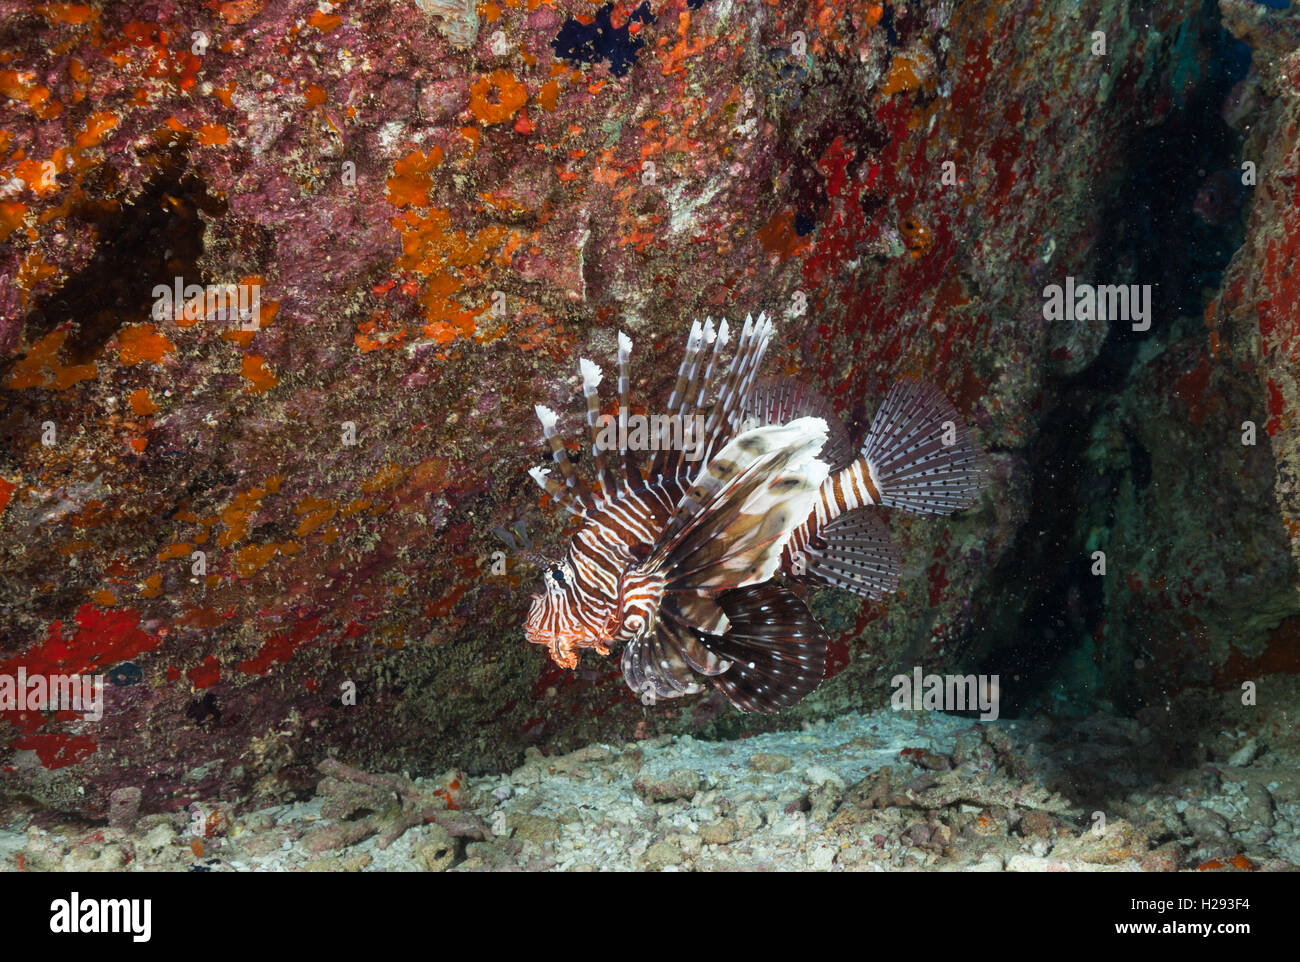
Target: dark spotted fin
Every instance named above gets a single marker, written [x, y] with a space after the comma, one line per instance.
[696, 609]
[671, 660]
[779, 400]
[919, 454]
[854, 551]
[776, 648]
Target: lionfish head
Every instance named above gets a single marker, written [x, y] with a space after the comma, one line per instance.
[551, 616]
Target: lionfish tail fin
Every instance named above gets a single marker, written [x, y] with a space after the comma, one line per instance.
[920, 455]
[732, 526]
[776, 648]
[854, 551]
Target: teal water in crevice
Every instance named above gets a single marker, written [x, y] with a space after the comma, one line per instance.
[1043, 625]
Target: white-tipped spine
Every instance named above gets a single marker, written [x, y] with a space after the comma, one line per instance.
[624, 387]
[746, 332]
[718, 339]
[684, 369]
[591, 375]
[696, 336]
[591, 378]
[539, 475]
[547, 417]
[762, 335]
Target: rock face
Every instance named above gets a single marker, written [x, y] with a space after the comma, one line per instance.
[272, 533]
[1257, 313]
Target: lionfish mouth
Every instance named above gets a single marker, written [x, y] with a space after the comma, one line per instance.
[564, 645]
[563, 650]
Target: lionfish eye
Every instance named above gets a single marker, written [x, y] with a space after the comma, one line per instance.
[557, 573]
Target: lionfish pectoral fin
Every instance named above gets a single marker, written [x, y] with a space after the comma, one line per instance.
[919, 453]
[776, 648]
[654, 666]
[855, 552]
[696, 609]
[779, 400]
[690, 617]
[743, 507]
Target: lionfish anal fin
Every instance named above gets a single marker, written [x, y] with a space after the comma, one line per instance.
[854, 551]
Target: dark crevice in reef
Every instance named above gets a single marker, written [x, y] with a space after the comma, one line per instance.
[146, 241]
[140, 242]
[1046, 603]
[1050, 614]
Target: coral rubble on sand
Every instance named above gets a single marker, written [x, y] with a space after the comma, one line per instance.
[862, 792]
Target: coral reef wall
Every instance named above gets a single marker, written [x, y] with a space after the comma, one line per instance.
[274, 537]
[1256, 317]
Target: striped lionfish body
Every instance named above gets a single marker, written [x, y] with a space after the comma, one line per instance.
[687, 561]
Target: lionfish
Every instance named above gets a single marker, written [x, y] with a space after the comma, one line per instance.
[689, 563]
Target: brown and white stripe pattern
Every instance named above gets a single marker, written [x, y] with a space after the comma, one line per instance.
[677, 562]
[585, 603]
[845, 491]
[594, 595]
